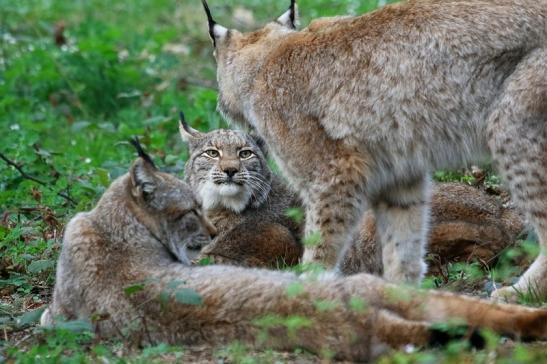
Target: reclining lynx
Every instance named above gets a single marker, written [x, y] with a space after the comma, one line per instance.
[128, 237]
[359, 110]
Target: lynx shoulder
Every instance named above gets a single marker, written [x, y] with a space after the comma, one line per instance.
[118, 270]
[358, 111]
[246, 203]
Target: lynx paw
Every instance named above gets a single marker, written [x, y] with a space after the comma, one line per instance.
[505, 295]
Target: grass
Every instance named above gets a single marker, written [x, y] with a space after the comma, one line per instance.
[77, 80]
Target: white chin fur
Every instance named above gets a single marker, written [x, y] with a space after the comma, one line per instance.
[229, 190]
[230, 196]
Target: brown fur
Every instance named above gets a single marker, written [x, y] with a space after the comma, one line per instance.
[251, 242]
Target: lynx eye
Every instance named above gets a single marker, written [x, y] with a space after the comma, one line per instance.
[212, 153]
[245, 154]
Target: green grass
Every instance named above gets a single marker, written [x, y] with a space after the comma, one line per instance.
[67, 109]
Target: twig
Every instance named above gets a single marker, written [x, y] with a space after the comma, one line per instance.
[20, 170]
[117, 328]
[146, 331]
[199, 83]
[25, 175]
[18, 343]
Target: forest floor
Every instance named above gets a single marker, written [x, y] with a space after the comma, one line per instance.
[77, 80]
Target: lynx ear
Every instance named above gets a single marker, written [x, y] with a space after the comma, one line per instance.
[142, 172]
[290, 18]
[187, 133]
[142, 154]
[216, 31]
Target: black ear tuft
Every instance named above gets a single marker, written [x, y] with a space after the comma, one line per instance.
[142, 154]
[292, 15]
[210, 21]
[289, 18]
[187, 133]
[183, 123]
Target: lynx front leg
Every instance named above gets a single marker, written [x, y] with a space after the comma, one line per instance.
[517, 133]
[334, 205]
[402, 217]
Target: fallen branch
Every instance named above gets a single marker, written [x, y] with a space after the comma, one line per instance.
[25, 175]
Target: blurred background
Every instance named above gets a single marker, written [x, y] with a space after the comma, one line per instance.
[78, 78]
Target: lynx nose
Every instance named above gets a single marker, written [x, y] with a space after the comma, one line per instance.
[230, 171]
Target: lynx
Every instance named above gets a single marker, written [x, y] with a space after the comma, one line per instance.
[117, 269]
[357, 111]
[246, 203]
[465, 222]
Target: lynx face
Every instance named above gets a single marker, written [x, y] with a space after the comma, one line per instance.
[169, 209]
[227, 168]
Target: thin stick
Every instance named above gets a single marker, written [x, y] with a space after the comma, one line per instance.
[25, 175]
[20, 170]
[147, 332]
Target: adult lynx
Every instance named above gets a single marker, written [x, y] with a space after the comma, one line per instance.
[358, 110]
[126, 243]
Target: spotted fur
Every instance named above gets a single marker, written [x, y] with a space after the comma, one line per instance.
[359, 110]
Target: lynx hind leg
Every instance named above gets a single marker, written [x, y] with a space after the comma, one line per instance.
[402, 217]
[517, 132]
[437, 307]
[334, 206]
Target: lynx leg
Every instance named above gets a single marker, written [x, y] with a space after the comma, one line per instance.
[46, 319]
[402, 217]
[517, 133]
[437, 306]
[334, 206]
